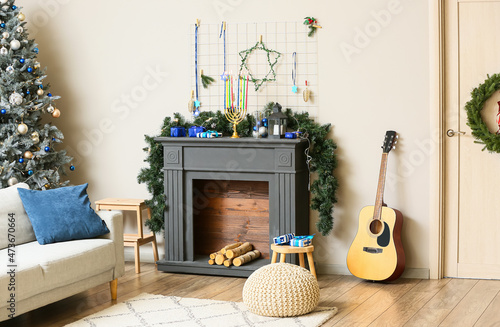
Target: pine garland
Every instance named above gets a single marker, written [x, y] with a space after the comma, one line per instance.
[322, 151]
[473, 108]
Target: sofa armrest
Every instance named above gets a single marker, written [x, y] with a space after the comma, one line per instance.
[114, 221]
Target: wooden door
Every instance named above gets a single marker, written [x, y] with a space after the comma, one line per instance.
[472, 176]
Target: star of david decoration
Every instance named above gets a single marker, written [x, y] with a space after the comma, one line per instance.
[271, 75]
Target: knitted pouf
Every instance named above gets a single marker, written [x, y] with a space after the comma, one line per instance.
[281, 290]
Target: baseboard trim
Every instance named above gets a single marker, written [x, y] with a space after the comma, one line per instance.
[329, 269]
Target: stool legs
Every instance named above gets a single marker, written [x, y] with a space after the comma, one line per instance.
[275, 257]
[311, 264]
[137, 258]
[282, 257]
[301, 260]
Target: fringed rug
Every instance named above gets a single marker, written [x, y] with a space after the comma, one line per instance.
[158, 310]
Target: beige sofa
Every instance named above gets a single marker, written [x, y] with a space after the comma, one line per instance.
[43, 274]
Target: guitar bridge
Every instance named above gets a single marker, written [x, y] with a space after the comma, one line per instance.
[372, 250]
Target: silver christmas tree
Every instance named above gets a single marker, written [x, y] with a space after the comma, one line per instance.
[28, 147]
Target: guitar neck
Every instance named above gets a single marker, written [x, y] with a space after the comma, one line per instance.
[379, 200]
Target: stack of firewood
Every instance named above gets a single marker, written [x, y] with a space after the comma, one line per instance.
[234, 254]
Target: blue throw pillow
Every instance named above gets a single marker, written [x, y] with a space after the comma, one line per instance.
[62, 214]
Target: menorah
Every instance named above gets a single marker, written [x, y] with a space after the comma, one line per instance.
[235, 111]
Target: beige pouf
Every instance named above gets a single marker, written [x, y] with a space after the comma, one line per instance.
[281, 290]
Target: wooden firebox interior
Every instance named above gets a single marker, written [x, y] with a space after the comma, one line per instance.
[227, 212]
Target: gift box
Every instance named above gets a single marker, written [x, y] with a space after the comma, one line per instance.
[290, 135]
[209, 134]
[194, 130]
[177, 131]
[301, 241]
[283, 239]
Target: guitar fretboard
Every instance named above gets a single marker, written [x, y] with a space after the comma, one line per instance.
[379, 200]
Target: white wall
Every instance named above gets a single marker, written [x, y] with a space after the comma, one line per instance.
[99, 54]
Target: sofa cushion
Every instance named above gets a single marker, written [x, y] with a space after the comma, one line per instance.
[44, 267]
[62, 214]
[10, 203]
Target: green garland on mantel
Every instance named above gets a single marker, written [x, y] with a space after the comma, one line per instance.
[322, 152]
[473, 108]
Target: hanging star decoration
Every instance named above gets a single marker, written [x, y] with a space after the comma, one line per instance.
[271, 75]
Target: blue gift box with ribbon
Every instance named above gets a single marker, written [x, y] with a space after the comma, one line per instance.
[194, 130]
[283, 239]
[301, 241]
[209, 134]
[177, 131]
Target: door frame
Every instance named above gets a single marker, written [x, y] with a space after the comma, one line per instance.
[437, 115]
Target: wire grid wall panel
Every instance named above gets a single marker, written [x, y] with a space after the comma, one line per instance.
[284, 37]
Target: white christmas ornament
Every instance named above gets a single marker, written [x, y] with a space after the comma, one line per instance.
[22, 128]
[20, 29]
[12, 181]
[50, 109]
[15, 44]
[16, 99]
[5, 35]
[4, 51]
[9, 69]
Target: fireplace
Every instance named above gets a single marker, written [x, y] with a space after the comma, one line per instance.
[223, 190]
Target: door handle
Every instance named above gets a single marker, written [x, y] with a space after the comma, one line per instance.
[452, 133]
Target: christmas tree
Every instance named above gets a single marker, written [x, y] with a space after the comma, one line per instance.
[28, 146]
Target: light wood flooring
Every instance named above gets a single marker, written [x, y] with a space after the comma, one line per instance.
[406, 302]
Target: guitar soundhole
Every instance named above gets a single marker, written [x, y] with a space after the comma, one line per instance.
[376, 226]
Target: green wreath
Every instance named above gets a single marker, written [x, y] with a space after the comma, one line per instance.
[480, 131]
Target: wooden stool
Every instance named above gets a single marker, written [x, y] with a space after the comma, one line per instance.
[135, 240]
[286, 249]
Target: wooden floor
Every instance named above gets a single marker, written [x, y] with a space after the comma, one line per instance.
[407, 302]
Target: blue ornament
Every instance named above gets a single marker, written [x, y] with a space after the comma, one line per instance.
[295, 89]
[53, 139]
[264, 120]
[30, 172]
[22, 60]
[30, 70]
[196, 113]
[3, 111]
[255, 128]
[47, 149]
[197, 104]
[14, 7]
[49, 95]
[2, 25]
[35, 50]
[40, 86]
[21, 160]
[27, 92]
[72, 168]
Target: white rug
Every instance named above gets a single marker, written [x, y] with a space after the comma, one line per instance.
[158, 310]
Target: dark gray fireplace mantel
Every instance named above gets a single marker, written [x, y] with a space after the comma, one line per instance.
[282, 163]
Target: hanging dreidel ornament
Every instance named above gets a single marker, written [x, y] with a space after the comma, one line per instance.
[498, 118]
[306, 94]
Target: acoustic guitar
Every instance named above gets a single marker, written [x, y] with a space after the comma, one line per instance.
[377, 252]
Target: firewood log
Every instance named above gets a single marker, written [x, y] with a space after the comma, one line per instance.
[219, 259]
[247, 257]
[213, 255]
[240, 250]
[230, 246]
[211, 262]
[228, 262]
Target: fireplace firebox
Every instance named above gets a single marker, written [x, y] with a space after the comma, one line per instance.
[223, 190]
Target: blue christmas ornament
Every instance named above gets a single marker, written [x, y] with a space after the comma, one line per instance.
[2, 25]
[197, 104]
[295, 89]
[255, 128]
[3, 111]
[30, 172]
[14, 7]
[47, 149]
[27, 91]
[264, 120]
[49, 95]
[72, 168]
[40, 86]
[53, 139]
[21, 160]
[30, 70]
[196, 113]
[22, 60]
[35, 50]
